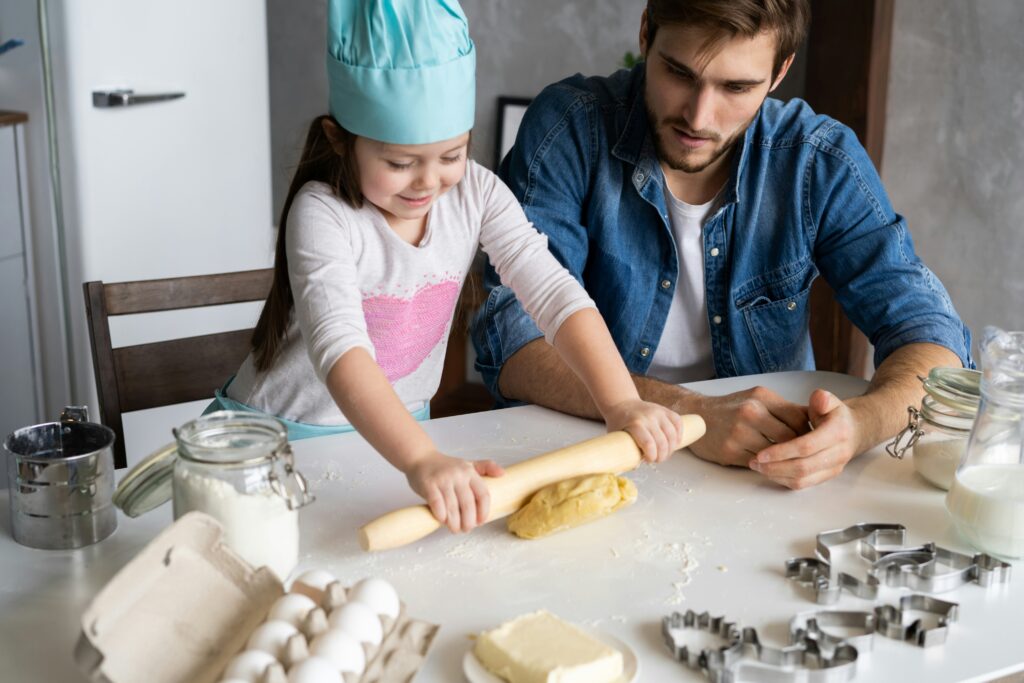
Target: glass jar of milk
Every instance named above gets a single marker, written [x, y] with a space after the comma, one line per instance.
[238, 468]
[986, 500]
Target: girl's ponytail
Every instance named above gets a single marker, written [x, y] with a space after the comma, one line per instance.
[320, 161]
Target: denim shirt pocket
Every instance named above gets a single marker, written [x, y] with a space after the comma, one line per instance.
[776, 311]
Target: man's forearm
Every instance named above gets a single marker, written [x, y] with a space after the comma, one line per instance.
[894, 387]
[537, 374]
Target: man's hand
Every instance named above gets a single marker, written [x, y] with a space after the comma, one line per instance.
[818, 455]
[741, 425]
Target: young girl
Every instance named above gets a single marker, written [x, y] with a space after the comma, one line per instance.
[380, 226]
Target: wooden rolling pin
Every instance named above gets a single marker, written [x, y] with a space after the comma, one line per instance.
[616, 452]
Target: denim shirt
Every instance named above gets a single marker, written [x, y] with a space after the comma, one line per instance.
[803, 199]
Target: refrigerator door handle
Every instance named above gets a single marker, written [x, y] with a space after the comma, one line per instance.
[127, 98]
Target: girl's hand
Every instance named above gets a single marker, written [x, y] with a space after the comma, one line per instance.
[453, 488]
[656, 429]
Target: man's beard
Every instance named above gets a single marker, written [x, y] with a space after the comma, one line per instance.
[680, 163]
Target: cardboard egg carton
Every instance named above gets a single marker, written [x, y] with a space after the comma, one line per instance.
[400, 654]
[186, 604]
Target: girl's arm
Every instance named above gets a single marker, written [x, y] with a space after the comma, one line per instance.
[586, 346]
[561, 308]
[452, 487]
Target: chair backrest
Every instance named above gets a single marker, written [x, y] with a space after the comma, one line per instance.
[175, 371]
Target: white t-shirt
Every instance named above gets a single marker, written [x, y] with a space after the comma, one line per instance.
[684, 352]
[357, 283]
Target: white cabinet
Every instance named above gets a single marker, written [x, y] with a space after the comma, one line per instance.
[20, 385]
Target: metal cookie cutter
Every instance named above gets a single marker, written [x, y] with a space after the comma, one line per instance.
[890, 620]
[804, 661]
[714, 662]
[922, 569]
[874, 542]
[891, 564]
[813, 625]
[743, 657]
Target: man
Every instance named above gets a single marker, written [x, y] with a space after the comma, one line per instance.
[697, 212]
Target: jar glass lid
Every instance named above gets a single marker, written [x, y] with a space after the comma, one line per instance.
[149, 484]
[956, 388]
[228, 437]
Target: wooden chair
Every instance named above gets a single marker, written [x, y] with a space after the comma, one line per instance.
[455, 394]
[131, 378]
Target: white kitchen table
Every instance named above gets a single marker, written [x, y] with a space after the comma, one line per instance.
[700, 536]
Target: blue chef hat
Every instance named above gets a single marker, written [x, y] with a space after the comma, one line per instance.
[401, 71]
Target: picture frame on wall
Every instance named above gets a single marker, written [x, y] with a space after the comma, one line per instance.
[510, 115]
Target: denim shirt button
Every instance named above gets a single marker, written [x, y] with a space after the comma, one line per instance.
[665, 284]
[714, 251]
[639, 177]
[717, 319]
[791, 306]
[646, 351]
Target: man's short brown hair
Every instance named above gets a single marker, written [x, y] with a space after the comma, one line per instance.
[726, 19]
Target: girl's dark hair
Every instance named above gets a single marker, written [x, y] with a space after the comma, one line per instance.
[337, 168]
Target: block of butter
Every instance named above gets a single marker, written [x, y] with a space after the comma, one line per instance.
[541, 648]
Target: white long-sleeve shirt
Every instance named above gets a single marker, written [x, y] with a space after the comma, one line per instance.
[356, 283]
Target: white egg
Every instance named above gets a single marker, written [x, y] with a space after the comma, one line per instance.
[380, 595]
[249, 665]
[359, 621]
[271, 637]
[315, 578]
[313, 583]
[342, 649]
[314, 670]
[292, 608]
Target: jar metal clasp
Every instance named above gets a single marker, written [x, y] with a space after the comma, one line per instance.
[908, 436]
[288, 482]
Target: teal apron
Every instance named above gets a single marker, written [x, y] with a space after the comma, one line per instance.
[296, 430]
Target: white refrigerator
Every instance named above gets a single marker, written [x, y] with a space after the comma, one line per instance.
[149, 157]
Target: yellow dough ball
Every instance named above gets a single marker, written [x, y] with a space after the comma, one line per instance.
[570, 503]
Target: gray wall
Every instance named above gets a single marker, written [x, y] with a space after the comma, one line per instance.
[522, 46]
[954, 152]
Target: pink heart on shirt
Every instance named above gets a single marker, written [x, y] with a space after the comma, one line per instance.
[405, 331]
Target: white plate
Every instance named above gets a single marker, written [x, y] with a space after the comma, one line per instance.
[476, 673]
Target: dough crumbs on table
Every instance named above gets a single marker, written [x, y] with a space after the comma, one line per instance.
[722, 568]
[461, 551]
[330, 473]
[677, 596]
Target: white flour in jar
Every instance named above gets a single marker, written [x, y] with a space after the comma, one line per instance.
[937, 459]
[258, 525]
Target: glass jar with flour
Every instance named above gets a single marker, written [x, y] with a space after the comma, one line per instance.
[236, 467]
[986, 500]
[936, 433]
